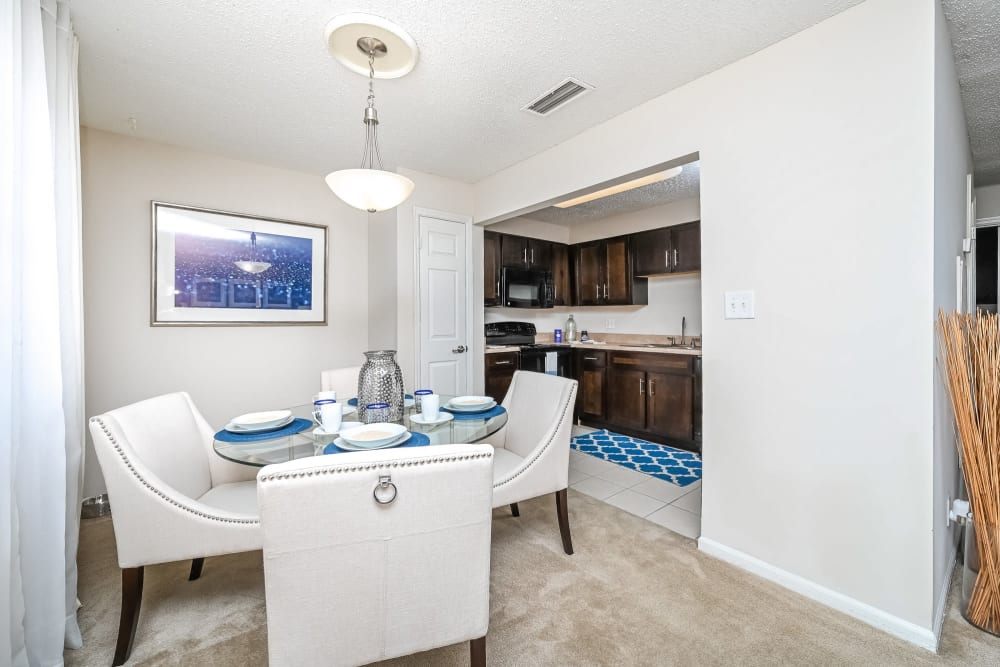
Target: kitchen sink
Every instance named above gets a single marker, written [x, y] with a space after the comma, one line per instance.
[667, 346]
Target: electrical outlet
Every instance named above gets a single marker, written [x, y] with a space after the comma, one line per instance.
[739, 305]
[609, 324]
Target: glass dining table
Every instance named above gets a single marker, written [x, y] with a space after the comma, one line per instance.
[466, 428]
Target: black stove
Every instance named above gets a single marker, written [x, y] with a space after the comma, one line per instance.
[533, 355]
[510, 333]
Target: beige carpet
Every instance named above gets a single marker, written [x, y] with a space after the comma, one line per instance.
[633, 594]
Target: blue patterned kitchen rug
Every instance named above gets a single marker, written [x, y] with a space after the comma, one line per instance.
[661, 461]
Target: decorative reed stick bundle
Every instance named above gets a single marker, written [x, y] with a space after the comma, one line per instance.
[970, 351]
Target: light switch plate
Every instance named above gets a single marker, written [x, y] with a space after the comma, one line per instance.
[739, 305]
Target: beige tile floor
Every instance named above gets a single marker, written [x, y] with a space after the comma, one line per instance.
[673, 507]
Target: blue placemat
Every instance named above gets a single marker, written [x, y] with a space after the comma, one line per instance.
[415, 440]
[354, 401]
[296, 426]
[495, 411]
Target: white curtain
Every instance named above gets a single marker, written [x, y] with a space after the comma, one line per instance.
[41, 333]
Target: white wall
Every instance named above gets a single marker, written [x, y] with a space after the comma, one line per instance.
[382, 280]
[535, 229]
[952, 165]
[670, 298]
[988, 201]
[227, 370]
[666, 215]
[447, 197]
[816, 192]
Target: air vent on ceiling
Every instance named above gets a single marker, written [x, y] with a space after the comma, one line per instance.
[554, 98]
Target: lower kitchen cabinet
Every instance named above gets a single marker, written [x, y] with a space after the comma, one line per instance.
[626, 397]
[500, 367]
[592, 377]
[646, 395]
[670, 405]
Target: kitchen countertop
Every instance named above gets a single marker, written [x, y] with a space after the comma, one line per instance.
[617, 347]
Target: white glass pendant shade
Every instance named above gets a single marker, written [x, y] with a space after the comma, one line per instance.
[370, 190]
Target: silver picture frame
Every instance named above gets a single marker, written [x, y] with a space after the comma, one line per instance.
[220, 268]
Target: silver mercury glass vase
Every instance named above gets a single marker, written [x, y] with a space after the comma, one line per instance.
[380, 381]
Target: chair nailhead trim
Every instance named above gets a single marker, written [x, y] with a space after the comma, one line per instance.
[114, 442]
[372, 466]
[541, 450]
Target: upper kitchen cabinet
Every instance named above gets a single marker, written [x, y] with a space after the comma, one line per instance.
[604, 274]
[524, 253]
[561, 295]
[668, 250]
[491, 269]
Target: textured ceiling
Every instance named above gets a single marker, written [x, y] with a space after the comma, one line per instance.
[253, 80]
[686, 185]
[975, 33]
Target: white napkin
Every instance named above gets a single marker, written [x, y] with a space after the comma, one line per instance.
[552, 363]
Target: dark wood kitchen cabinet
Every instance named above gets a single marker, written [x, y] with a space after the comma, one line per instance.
[561, 290]
[500, 367]
[670, 405]
[491, 269]
[667, 250]
[524, 253]
[604, 274]
[591, 373]
[626, 397]
[647, 395]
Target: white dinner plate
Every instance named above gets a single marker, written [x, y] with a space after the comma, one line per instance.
[466, 408]
[343, 444]
[470, 402]
[257, 420]
[233, 427]
[443, 417]
[371, 436]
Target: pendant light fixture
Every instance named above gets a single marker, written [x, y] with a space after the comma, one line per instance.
[370, 188]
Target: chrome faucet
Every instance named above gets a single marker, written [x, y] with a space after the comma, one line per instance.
[683, 326]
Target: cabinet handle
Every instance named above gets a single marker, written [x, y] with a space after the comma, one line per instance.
[675, 259]
[666, 258]
[605, 290]
[502, 363]
[498, 289]
[532, 255]
[598, 295]
[642, 386]
[525, 255]
[590, 358]
[652, 387]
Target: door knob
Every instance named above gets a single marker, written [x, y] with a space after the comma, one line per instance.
[459, 350]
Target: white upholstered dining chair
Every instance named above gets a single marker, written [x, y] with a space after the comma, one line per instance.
[379, 554]
[172, 497]
[344, 381]
[532, 449]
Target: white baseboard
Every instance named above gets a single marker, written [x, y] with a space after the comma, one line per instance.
[941, 606]
[911, 632]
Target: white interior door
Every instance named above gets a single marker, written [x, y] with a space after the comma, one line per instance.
[443, 315]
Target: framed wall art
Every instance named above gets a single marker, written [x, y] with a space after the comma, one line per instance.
[216, 268]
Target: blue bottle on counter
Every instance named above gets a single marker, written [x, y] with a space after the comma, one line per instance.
[558, 335]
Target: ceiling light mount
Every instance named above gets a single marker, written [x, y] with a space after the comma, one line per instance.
[372, 46]
[350, 38]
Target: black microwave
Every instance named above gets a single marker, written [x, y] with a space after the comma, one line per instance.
[524, 288]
